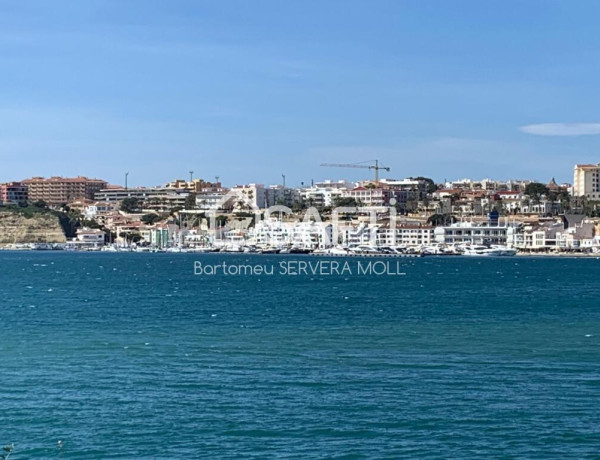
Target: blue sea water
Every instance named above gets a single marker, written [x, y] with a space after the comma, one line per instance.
[133, 356]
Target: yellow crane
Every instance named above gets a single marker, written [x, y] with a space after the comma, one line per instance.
[361, 165]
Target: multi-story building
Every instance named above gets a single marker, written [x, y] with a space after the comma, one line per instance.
[253, 195]
[338, 184]
[586, 181]
[368, 196]
[160, 199]
[407, 235]
[13, 193]
[467, 232]
[281, 195]
[92, 210]
[119, 193]
[213, 199]
[195, 185]
[488, 184]
[324, 193]
[59, 190]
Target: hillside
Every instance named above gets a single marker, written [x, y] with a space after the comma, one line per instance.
[26, 226]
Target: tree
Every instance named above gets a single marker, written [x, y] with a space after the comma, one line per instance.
[150, 218]
[339, 201]
[190, 201]
[132, 237]
[175, 210]
[431, 186]
[535, 190]
[441, 219]
[131, 205]
[40, 204]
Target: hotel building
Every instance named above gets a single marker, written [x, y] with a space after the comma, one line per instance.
[59, 190]
[586, 181]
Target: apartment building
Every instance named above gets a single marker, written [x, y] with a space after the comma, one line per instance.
[368, 196]
[13, 193]
[59, 190]
[253, 195]
[586, 181]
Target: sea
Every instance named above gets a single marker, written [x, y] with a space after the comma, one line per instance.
[146, 356]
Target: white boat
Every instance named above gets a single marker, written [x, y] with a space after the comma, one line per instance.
[363, 249]
[493, 250]
[335, 251]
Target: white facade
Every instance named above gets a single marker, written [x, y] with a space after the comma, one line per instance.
[94, 236]
[466, 232]
[254, 194]
[95, 209]
[280, 195]
[586, 181]
[305, 235]
[320, 196]
[368, 196]
[213, 200]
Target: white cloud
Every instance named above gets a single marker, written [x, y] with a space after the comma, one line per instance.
[562, 129]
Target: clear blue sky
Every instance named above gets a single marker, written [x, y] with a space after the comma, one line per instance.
[248, 90]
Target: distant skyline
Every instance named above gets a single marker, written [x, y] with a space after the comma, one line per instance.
[251, 90]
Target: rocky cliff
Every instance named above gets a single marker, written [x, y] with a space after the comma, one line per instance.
[40, 227]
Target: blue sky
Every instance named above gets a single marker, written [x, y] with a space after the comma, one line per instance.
[250, 90]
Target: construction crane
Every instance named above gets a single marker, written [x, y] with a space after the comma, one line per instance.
[361, 165]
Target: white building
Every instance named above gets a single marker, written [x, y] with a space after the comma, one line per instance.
[91, 236]
[586, 181]
[368, 196]
[468, 232]
[93, 210]
[320, 196]
[254, 194]
[278, 234]
[213, 200]
[280, 195]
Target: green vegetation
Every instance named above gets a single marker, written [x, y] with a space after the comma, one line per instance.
[431, 186]
[441, 219]
[69, 221]
[131, 237]
[190, 201]
[150, 218]
[339, 201]
[131, 205]
[535, 190]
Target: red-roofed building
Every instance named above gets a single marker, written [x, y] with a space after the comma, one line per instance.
[59, 190]
[12, 193]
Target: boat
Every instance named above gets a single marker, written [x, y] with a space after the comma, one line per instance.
[269, 250]
[492, 250]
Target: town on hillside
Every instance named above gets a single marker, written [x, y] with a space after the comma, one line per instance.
[413, 215]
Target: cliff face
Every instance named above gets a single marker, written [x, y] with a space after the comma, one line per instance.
[39, 228]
